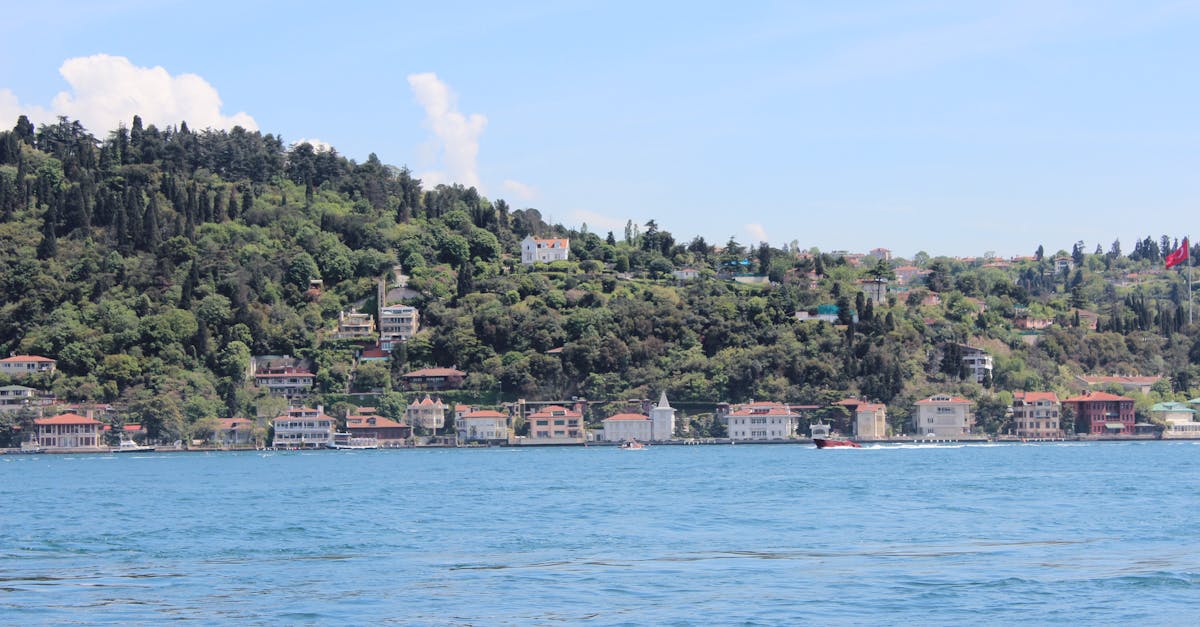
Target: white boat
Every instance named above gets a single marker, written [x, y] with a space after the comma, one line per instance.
[129, 446]
[345, 441]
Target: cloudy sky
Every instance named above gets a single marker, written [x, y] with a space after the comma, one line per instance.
[950, 127]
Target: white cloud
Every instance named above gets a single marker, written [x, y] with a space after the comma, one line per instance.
[599, 222]
[318, 145]
[757, 232]
[456, 136]
[108, 90]
[520, 190]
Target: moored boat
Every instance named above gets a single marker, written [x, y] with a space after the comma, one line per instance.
[633, 445]
[129, 446]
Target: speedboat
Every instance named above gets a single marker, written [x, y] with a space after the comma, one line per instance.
[835, 443]
[633, 445]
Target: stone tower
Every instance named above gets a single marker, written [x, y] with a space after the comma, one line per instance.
[662, 420]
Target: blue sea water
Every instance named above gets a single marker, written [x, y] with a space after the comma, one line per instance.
[1093, 534]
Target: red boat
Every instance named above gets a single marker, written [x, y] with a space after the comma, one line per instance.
[832, 443]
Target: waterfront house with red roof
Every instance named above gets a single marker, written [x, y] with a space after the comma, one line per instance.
[367, 424]
[434, 379]
[942, 416]
[764, 420]
[1101, 413]
[626, 426]
[427, 413]
[1036, 414]
[68, 431]
[25, 365]
[234, 432]
[555, 422]
[482, 425]
[536, 250]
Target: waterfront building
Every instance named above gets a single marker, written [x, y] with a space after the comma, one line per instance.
[25, 365]
[870, 421]
[1101, 413]
[1179, 420]
[1036, 414]
[627, 426]
[536, 250]
[555, 422]
[234, 432]
[766, 420]
[68, 431]
[942, 416]
[426, 413]
[303, 427]
[364, 423]
[481, 425]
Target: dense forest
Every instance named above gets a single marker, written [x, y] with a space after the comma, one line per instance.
[153, 263]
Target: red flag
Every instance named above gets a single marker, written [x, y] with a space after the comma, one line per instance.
[1179, 256]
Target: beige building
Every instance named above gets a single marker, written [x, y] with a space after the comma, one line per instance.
[68, 431]
[1036, 414]
[426, 413]
[303, 427]
[1180, 420]
[762, 421]
[353, 325]
[397, 323]
[556, 423]
[870, 421]
[942, 416]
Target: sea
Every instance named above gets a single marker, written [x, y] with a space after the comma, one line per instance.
[1101, 533]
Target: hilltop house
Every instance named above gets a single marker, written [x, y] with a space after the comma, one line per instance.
[1101, 413]
[1036, 414]
[68, 431]
[762, 421]
[25, 365]
[282, 375]
[303, 427]
[14, 397]
[434, 379]
[535, 250]
[977, 362]
[397, 324]
[942, 416]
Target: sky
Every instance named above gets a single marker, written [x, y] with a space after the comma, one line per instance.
[949, 127]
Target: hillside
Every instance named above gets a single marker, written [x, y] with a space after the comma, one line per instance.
[154, 263]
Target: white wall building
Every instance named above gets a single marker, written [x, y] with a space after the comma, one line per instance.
[870, 421]
[397, 323]
[943, 416]
[762, 421]
[626, 427]
[481, 425]
[535, 250]
[303, 427]
[24, 365]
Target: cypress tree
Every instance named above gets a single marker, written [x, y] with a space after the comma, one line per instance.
[48, 247]
[150, 230]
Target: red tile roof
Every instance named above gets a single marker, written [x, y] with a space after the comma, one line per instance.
[235, 423]
[381, 422]
[373, 353]
[1033, 397]
[872, 407]
[548, 412]
[484, 413]
[1097, 396]
[25, 358]
[66, 419]
[627, 417]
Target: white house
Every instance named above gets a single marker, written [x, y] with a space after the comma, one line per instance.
[24, 365]
[977, 362]
[14, 397]
[626, 426]
[762, 421]
[943, 416]
[535, 250]
[303, 427]
[397, 323]
[426, 413]
[481, 425]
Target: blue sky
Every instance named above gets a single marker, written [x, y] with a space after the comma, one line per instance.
[951, 127]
